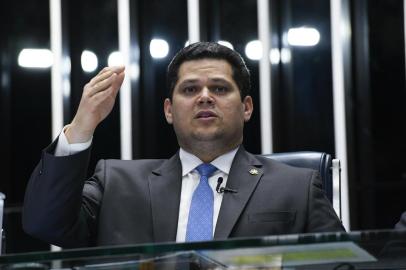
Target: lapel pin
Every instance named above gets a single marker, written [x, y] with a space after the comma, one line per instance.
[253, 171]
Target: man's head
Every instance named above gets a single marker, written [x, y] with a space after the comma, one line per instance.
[210, 50]
[206, 107]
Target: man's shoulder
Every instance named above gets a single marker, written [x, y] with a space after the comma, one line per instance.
[273, 173]
[134, 164]
[402, 222]
[139, 165]
[273, 163]
[118, 171]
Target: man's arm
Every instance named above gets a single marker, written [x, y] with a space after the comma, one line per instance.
[402, 222]
[53, 200]
[64, 148]
[322, 217]
[54, 208]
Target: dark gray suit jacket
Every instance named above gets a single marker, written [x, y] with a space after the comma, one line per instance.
[402, 222]
[128, 202]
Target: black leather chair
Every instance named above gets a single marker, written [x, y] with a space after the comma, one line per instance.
[328, 168]
[2, 197]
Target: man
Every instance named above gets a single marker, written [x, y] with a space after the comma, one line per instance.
[127, 202]
[401, 225]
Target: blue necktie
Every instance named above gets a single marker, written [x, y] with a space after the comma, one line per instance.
[200, 222]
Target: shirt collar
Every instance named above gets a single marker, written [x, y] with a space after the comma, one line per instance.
[190, 161]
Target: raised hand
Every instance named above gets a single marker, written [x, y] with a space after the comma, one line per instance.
[97, 101]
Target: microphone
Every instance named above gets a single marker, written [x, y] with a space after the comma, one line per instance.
[223, 189]
[219, 182]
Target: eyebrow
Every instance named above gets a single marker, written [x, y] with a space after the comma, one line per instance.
[213, 80]
[219, 80]
[188, 81]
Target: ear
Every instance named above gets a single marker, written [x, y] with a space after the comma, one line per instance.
[248, 108]
[168, 110]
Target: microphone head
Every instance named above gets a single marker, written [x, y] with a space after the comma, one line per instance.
[219, 181]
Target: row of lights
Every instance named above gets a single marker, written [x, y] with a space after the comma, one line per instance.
[159, 48]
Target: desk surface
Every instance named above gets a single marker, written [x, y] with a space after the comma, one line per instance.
[380, 249]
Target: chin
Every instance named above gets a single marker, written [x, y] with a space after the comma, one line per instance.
[206, 136]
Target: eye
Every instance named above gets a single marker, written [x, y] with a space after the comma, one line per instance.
[189, 90]
[220, 89]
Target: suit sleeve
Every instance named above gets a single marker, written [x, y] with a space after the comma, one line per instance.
[55, 209]
[321, 214]
[402, 222]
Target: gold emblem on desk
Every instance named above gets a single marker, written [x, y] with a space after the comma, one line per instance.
[254, 172]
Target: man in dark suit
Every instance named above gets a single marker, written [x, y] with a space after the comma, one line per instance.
[402, 222]
[143, 201]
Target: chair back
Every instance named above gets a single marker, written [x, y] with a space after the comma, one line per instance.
[2, 197]
[319, 161]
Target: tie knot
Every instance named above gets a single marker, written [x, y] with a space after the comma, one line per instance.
[206, 169]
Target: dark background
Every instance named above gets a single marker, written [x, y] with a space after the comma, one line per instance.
[302, 91]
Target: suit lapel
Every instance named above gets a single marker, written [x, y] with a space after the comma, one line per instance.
[244, 175]
[165, 187]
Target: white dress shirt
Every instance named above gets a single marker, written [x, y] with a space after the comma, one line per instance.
[190, 181]
[64, 148]
[190, 178]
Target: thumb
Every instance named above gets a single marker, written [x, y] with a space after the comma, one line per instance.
[119, 79]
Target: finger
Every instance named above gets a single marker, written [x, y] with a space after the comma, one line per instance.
[105, 69]
[115, 87]
[106, 72]
[119, 80]
[103, 96]
[102, 85]
[100, 77]
[117, 69]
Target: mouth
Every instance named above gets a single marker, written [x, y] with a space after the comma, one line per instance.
[205, 115]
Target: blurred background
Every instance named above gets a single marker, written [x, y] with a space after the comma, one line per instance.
[301, 79]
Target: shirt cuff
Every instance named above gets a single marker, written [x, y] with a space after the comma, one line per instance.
[64, 148]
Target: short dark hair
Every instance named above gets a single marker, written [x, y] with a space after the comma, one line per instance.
[212, 50]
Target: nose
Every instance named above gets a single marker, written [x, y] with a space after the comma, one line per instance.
[205, 96]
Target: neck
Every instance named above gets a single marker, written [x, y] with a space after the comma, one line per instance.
[207, 151]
